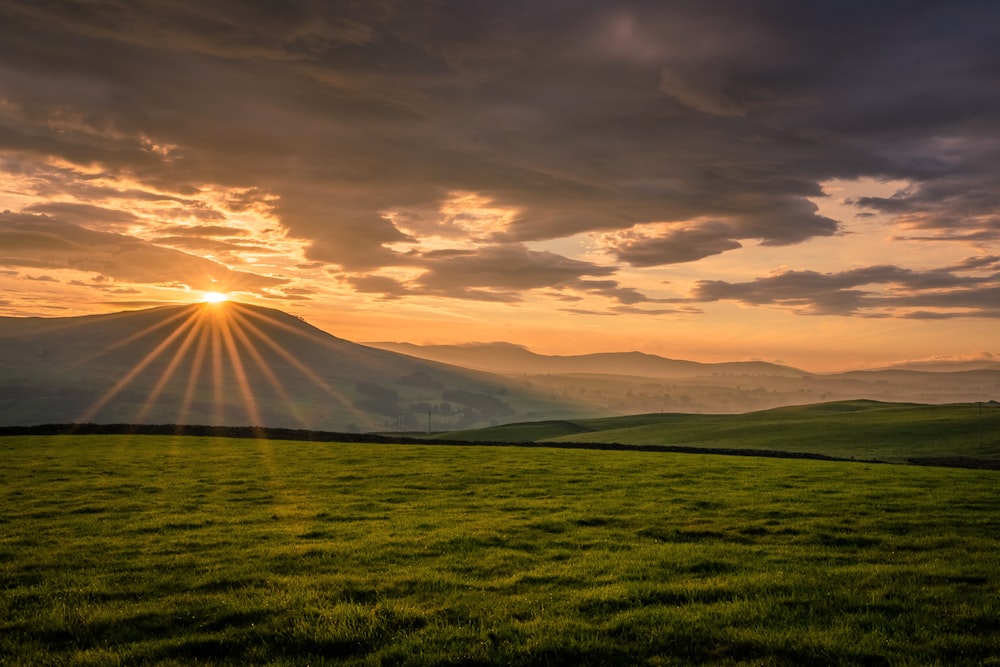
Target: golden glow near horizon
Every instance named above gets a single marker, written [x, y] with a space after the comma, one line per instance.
[214, 297]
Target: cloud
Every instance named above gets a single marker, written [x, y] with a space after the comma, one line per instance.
[961, 206]
[875, 291]
[501, 272]
[204, 230]
[388, 287]
[680, 130]
[83, 214]
[700, 90]
[41, 241]
[672, 246]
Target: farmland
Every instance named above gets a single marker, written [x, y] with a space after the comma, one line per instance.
[170, 550]
[863, 430]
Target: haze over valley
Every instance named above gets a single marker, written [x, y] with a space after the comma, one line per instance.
[236, 364]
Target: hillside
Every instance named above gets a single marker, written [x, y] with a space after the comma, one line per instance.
[867, 430]
[237, 364]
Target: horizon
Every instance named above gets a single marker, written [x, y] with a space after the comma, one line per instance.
[712, 183]
[213, 301]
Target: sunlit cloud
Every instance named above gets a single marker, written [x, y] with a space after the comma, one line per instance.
[39, 240]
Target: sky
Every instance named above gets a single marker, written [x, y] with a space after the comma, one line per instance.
[811, 183]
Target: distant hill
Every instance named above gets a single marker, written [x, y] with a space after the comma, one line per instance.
[514, 359]
[632, 382]
[236, 364]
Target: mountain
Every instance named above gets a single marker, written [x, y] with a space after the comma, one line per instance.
[237, 364]
[947, 366]
[513, 360]
[633, 383]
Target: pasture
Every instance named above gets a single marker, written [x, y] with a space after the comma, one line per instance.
[163, 550]
[862, 430]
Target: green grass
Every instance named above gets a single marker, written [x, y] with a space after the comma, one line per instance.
[141, 550]
[867, 430]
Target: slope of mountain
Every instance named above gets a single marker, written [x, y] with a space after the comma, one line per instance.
[237, 364]
[514, 359]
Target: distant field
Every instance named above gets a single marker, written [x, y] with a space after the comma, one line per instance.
[144, 550]
[866, 430]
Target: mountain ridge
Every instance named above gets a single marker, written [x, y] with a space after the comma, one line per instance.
[502, 357]
[234, 364]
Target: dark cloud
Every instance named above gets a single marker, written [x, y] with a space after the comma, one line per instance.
[721, 118]
[874, 291]
[961, 206]
[83, 214]
[675, 246]
[387, 287]
[502, 272]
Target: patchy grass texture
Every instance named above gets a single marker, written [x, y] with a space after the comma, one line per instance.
[141, 550]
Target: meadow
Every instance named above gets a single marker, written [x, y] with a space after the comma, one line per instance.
[168, 550]
[859, 429]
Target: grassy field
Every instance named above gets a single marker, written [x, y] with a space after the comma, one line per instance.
[140, 550]
[867, 430]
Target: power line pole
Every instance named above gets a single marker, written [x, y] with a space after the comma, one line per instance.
[980, 424]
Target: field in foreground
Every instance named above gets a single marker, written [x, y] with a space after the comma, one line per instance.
[168, 550]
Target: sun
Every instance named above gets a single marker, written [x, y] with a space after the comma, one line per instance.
[214, 297]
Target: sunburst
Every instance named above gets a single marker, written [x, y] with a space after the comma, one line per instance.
[214, 297]
[217, 347]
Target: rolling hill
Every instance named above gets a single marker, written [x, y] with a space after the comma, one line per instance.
[237, 364]
[867, 430]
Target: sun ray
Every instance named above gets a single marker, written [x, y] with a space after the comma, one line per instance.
[224, 350]
[265, 369]
[134, 372]
[305, 370]
[194, 375]
[218, 381]
[184, 312]
[242, 382]
[168, 373]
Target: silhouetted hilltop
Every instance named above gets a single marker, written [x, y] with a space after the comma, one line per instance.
[235, 364]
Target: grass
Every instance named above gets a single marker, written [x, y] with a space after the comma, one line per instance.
[867, 430]
[144, 550]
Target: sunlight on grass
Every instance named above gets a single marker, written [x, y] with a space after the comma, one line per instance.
[168, 550]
